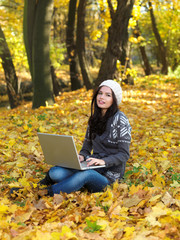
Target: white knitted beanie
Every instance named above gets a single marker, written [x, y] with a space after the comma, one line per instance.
[115, 87]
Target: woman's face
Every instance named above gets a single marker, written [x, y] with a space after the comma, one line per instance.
[104, 98]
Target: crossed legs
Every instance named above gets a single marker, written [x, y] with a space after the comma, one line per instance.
[70, 180]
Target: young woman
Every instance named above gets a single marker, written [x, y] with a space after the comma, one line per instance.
[107, 141]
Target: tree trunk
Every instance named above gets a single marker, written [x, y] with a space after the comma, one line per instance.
[28, 28]
[71, 48]
[161, 47]
[37, 23]
[9, 71]
[146, 65]
[55, 24]
[43, 89]
[117, 41]
[125, 62]
[80, 43]
[56, 86]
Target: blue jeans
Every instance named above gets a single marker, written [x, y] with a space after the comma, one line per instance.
[71, 180]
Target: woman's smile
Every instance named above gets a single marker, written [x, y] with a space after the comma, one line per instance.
[101, 102]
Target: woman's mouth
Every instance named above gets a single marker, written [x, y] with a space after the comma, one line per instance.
[101, 102]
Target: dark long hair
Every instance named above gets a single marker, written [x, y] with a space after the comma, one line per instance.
[97, 122]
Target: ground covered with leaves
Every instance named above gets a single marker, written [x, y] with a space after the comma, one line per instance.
[145, 205]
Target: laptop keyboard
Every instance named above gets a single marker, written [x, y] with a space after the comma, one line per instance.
[84, 164]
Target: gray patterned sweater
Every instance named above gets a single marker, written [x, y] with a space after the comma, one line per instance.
[112, 146]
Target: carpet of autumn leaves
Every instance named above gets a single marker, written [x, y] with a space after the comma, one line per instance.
[145, 205]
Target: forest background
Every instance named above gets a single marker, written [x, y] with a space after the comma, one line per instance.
[145, 205]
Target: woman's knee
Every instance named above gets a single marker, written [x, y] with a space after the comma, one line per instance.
[94, 181]
[87, 174]
[54, 170]
[58, 174]
[92, 176]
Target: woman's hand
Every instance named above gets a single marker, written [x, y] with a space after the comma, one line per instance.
[95, 161]
[81, 158]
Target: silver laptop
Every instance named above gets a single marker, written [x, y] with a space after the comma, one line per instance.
[60, 150]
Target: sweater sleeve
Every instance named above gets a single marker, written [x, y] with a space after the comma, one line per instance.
[120, 132]
[87, 145]
[116, 159]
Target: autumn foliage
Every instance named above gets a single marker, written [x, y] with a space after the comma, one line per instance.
[145, 205]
